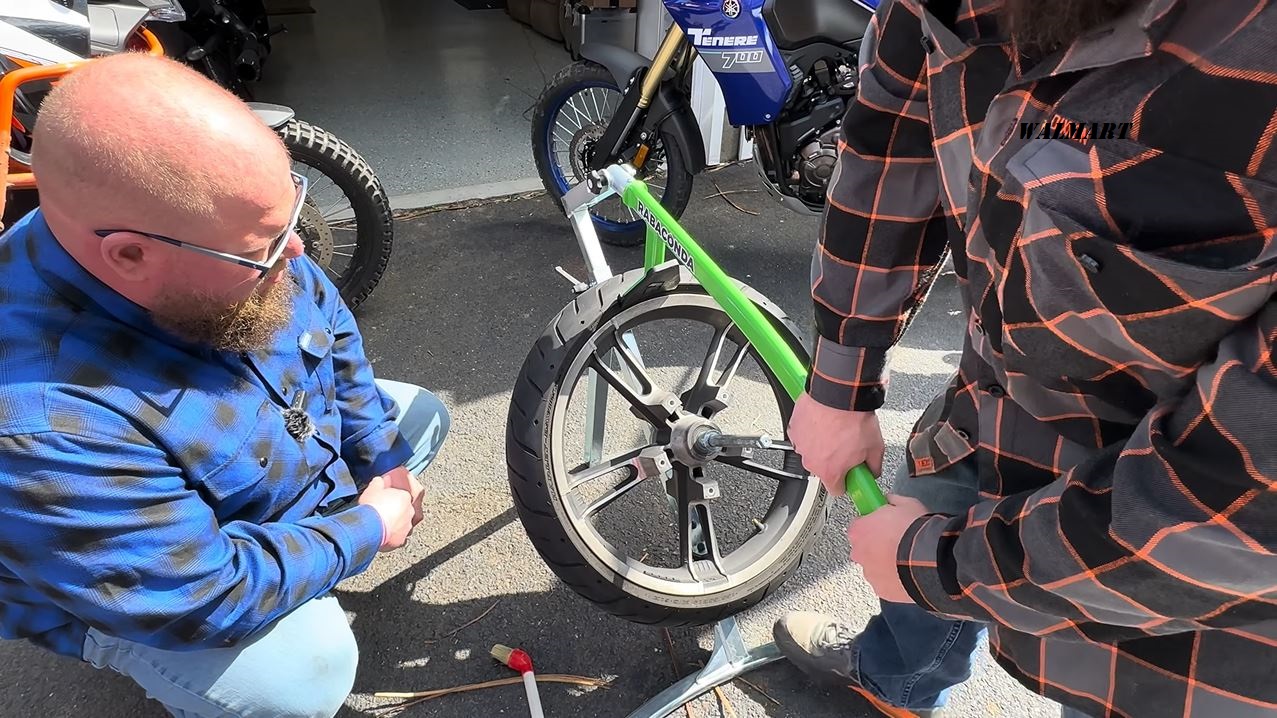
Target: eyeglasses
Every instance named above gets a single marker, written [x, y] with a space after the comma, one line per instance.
[263, 267]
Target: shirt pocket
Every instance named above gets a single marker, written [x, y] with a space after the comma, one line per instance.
[258, 474]
[316, 346]
[1125, 307]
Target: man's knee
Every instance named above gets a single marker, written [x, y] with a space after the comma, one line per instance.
[423, 420]
[321, 679]
[307, 670]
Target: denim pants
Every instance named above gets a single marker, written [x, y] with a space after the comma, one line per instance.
[303, 665]
[908, 656]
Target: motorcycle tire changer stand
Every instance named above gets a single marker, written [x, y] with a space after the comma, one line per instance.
[730, 657]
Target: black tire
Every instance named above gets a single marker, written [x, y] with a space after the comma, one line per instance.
[567, 82]
[340, 163]
[529, 464]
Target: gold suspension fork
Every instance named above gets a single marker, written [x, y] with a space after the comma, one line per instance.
[666, 54]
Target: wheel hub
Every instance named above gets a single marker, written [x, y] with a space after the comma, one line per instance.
[696, 441]
[581, 151]
[684, 440]
[316, 234]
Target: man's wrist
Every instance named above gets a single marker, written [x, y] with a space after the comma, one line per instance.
[920, 568]
[848, 378]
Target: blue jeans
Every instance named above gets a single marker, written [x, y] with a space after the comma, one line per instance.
[303, 665]
[908, 656]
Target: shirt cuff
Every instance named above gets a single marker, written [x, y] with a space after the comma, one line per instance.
[918, 564]
[848, 378]
[359, 532]
[378, 452]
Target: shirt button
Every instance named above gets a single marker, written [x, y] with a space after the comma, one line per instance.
[1091, 264]
[262, 462]
[996, 391]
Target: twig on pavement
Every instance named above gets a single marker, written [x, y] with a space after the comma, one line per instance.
[729, 200]
[678, 672]
[730, 191]
[727, 705]
[762, 692]
[463, 626]
[422, 696]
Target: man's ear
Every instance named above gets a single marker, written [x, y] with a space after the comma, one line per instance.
[128, 255]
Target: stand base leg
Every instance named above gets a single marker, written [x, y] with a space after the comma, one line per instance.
[730, 658]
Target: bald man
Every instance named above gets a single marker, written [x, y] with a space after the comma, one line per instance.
[193, 449]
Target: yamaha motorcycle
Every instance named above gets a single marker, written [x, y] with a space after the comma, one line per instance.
[787, 69]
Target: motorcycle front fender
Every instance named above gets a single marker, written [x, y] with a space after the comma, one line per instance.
[675, 115]
[677, 118]
[275, 116]
[619, 61]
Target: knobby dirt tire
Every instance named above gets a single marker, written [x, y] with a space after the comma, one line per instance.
[338, 161]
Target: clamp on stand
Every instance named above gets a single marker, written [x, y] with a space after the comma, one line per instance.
[730, 657]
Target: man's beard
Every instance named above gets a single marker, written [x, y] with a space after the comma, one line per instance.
[245, 326]
[1040, 27]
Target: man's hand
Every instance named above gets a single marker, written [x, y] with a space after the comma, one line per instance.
[395, 507]
[833, 441]
[400, 479]
[875, 539]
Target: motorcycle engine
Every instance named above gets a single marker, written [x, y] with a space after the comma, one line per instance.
[816, 162]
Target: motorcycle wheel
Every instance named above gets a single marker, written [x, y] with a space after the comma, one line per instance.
[346, 224]
[552, 492]
[569, 117]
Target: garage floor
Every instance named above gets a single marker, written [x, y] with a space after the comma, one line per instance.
[434, 95]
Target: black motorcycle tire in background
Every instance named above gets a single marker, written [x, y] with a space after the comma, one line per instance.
[340, 163]
[567, 82]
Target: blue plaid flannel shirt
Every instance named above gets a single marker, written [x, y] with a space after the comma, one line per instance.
[149, 488]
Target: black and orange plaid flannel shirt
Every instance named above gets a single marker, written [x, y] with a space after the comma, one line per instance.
[1117, 386]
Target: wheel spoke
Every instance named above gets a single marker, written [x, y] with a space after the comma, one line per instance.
[580, 477]
[733, 366]
[712, 356]
[704, 394]
[754, 467]
[642, 400]
[698, 544]
[611, 496]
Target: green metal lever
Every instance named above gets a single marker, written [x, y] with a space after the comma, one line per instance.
[664, 233]
[863, 490]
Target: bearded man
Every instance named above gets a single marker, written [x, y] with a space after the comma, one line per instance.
[1096, 487]
[193, 449]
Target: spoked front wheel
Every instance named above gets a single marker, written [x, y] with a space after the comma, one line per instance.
[571, 116]
[647, 454]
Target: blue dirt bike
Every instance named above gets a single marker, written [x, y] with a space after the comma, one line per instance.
[787, 69]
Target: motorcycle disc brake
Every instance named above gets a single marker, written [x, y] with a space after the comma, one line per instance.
[316, 234]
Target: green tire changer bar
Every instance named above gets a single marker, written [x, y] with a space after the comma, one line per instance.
[664, 233]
